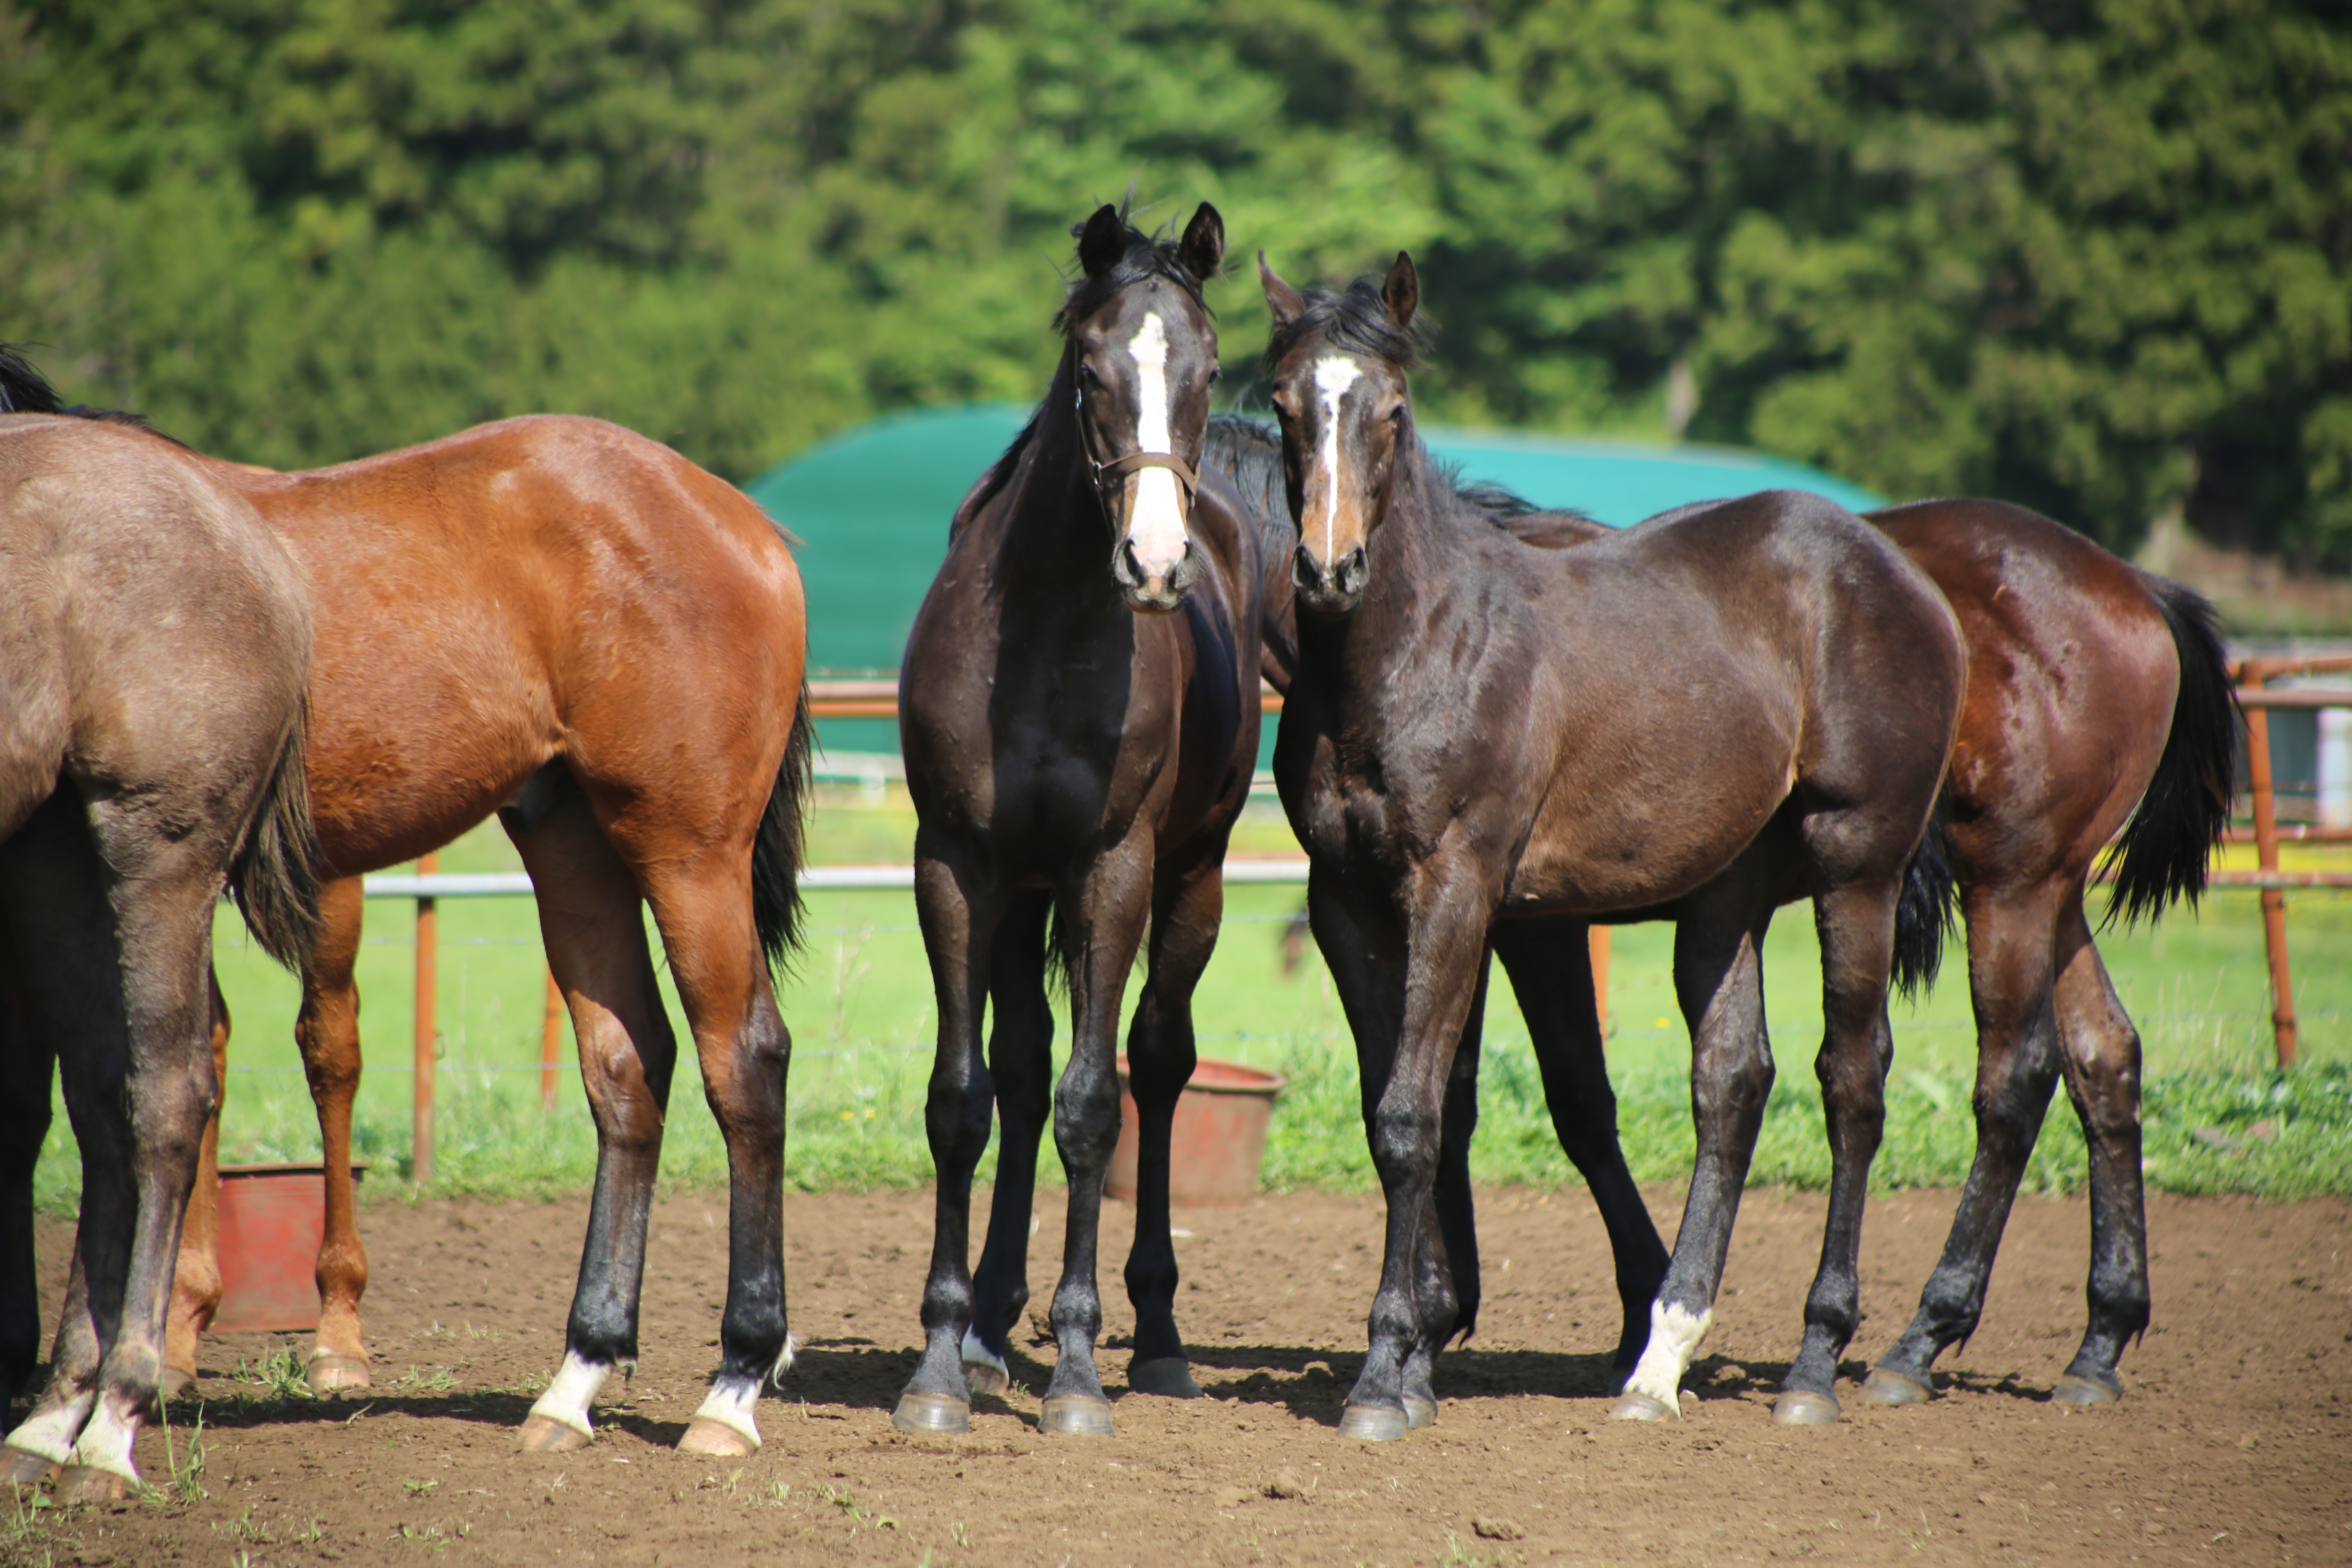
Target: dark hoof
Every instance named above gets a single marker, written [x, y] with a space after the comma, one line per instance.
[544, 1434]
[329, 1373]
[1803, 1407]
[1373, 1422]
[1076, 1416]
[19, 1467]
[1643, 1407]
[717, 1439]
[1884, 1385]
[934, 1415]
[1419, 1412]
[980, 1377]
[2071, 1389]
[1170, 1376]
[88, 1484]
[177, 1383]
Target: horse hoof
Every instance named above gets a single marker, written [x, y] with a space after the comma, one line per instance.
[23, 1467]
[545, 1435]
[177, 1383]
[1803, 1407]
[933, 1415]
[2071, 1389]
[1170, 1376]
[980, 1377]
[1374, 1423]
[1885, 1386]
[1633, 1407]
[1076, 1416]
[716, 1439]
[88, 1484]
[1419, 1412]
[332, 1373]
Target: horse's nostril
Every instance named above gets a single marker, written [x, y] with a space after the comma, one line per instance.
[1303, 573]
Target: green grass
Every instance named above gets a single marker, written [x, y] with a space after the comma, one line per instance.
[858, 1001]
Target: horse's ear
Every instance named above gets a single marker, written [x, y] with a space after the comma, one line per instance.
[1102, 242]
[1203, 247]
[1401, 292]
[1285, 303]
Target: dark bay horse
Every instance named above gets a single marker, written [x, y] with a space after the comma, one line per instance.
[1079, 710]
[152, 656]
[1663, 722]
[2099, 710]
[561, 621]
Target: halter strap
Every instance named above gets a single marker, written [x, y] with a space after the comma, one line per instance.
[1118, 467]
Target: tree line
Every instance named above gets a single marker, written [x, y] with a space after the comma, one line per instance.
[2094, 256]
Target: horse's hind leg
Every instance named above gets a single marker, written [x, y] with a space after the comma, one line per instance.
[594, 931]
[2017, 1065]
[2101, 1053]
[959, 917]
[28, 1058]
[1550, 968]
[1020, 1059]
[328, 1032]
[1188, 905]
[196, 1281]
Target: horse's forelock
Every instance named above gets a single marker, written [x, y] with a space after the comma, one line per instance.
[1353, 319]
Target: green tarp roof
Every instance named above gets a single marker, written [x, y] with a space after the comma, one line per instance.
[871, 507]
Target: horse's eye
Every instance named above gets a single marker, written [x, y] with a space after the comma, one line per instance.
[1216, 374]
[1088, 378]
[1396, 415]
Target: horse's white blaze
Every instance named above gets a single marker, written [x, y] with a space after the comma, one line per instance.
[731, 1404]
[1674, 1336]
[105, 1442]
[50, 1433]
[1333, 378]
[1155, 524]
[567, 1399]
[976, 1351]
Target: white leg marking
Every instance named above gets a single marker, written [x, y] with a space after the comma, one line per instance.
[729, 1405]
[1155, 524]
[49, 1432]
[979, 1354]
[784, 1360]
[1333, 378]
[567, 1399]
[1674, 1336]
[105, 1442]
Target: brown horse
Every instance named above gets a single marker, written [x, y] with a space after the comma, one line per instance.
[559, 620]
[153, 658]
[2099, 710]
[1664, 722]
[1078, 708]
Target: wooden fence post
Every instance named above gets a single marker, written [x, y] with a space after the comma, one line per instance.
[550, 1043]
[2266, 854]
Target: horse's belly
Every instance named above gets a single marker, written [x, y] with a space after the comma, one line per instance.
[1648, 852]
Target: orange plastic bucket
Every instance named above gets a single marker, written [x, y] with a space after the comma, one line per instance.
[1217, 1141]
[272, 1218]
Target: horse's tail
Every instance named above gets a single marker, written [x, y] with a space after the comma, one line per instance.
[776, 907]
[2162, 852]
[1928, 909]
[275, 875]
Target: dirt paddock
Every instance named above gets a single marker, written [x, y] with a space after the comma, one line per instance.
[2233, 1446]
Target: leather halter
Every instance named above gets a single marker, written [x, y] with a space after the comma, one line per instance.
[1104, 474]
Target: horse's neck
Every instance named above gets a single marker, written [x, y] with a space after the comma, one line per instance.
[1362, 658]
[1052, 543]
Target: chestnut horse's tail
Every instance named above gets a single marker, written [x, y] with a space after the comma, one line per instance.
[1927, 910]
[776, 907]
[2162, 852]
[275, 875]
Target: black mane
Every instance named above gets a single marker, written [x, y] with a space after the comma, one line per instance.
[25, 390]
[1354, 319]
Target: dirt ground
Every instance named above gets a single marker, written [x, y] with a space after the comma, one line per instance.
[2234, 1444]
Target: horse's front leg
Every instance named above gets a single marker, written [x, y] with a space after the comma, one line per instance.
[960, 912]
[1415, 1309]
[1102, 920]
[1020, 1060]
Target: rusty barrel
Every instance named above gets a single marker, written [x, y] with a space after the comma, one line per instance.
[1217, 1141]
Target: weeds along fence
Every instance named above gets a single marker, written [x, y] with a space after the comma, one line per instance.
[878, 699]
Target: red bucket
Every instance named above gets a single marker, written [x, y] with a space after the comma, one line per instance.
[1217, 1141]
[272, 1218]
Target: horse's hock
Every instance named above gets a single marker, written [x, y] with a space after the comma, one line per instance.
[1217, 1141]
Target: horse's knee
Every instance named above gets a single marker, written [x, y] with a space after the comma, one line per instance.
[1086, 1119]
[1738, 1082]
[1404, 1142]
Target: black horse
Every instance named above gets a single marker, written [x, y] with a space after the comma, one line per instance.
[1078, 709]
[1667, 721]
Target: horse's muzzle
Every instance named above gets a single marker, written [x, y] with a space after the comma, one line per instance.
[1147, 592]
[1331, 589]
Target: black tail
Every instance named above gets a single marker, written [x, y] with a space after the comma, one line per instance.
[1928, 910]
[275, 875]
[2161, 854]
[776, 907]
